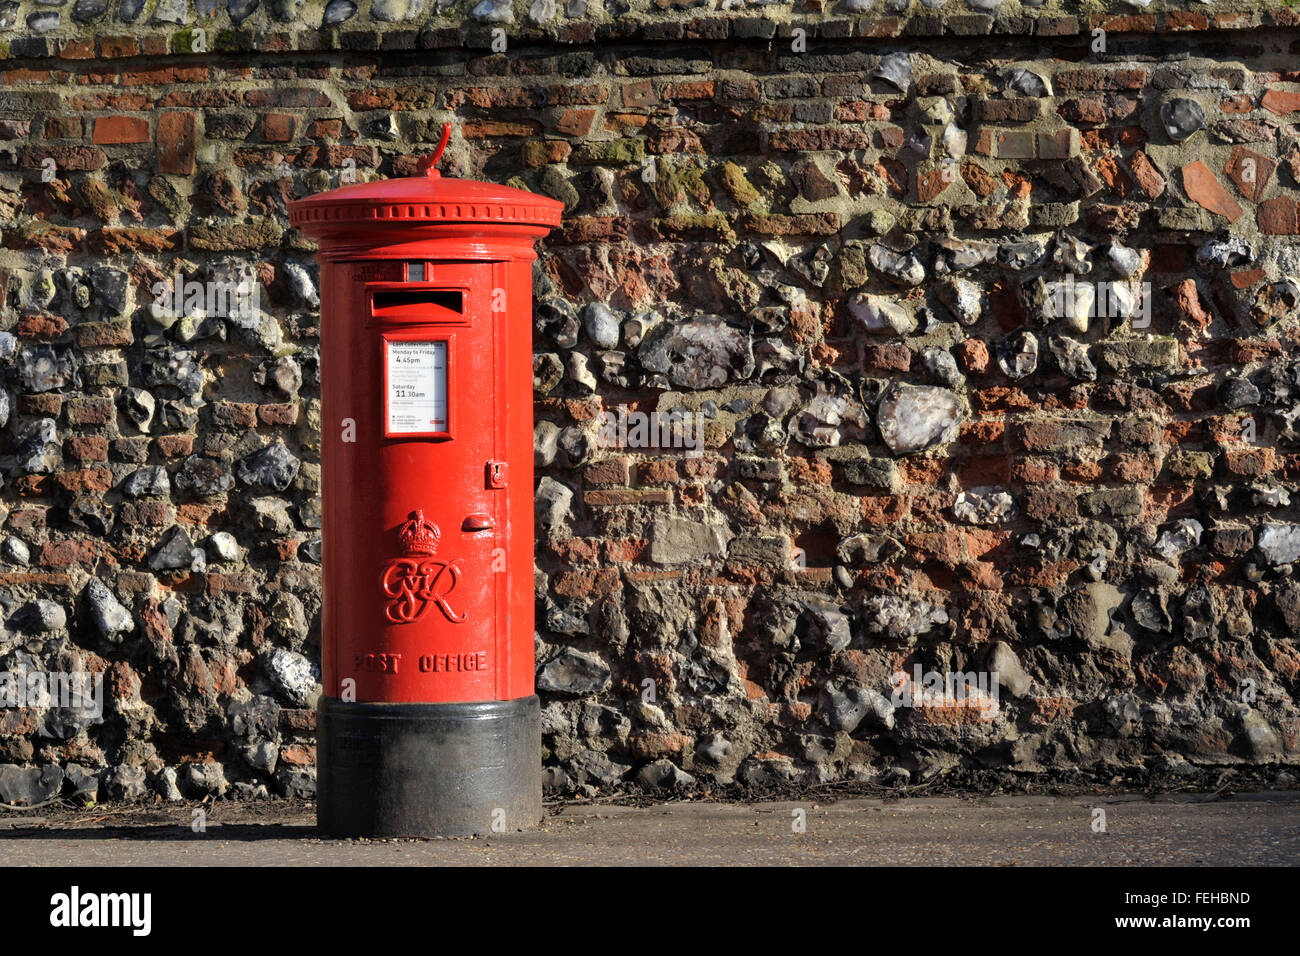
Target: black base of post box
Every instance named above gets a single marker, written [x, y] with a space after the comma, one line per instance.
[424, 770]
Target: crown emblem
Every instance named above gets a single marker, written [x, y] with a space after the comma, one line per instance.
[419, 536]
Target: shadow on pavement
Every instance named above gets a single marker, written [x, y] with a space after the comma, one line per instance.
[244, 832]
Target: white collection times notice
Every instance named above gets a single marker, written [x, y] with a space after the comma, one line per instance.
[417, 387]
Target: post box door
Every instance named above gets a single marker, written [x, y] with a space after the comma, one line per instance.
[441, 475]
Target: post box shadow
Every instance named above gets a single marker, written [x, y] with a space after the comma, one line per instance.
[242, 832]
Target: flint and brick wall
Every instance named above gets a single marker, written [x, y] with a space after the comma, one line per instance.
[837, 235]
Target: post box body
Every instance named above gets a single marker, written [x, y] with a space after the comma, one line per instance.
[428, 724]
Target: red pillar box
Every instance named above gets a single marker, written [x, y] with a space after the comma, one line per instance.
[428, 724]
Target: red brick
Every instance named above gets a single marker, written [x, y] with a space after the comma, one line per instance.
[1147, 176]
[575, 122]
[1281, 102]
[973, 354]
[90, 411]
[577, 584]
[627, 496]
[174, 446]
[611, 471]
[87, 479]
[176, 143]
[1279, 217]
[1204, 189]
[110, 130]
[279, 414]
[118, 47]
[278, 127]
[1250, 171]
[57, 554]
[41, 327]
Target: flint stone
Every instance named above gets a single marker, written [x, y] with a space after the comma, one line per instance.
[37, 451]
[984, 506]
[124, 784]
[879, 315]
[1072, 358]
[548, 372]
[28, 786]
[241, 10]
[1238, 393]
[551, 504]
[828, 625]
[200, 475]
[1279, 543]
[106, 611]
[1018, 355]
[940, 363]
[1027, 83]
[602, 325]
[597, 766]
[40, 616]
[1260, 738]
[1181, 118]
[223, 547]
[557, 320]
[896, 70]
[541, 12]
[676, 541]
[546, 436]
[704, 352]
[912, 418]
[1071, 255]
[176, 552]
[273, 468]
[829, 420]
[83, 781]
[1129, 263]
[1229, 253]
[43, 369]
[872, 472]
[863, 549]
[169, 11]
[293, 675]
[1275, 301]
[574, 672]
[311, 550]
[901, 619]
[663, 774]
[87, 11]
[138, 406]
[903, 268]
[1003, 662]
[845, 710]
[1149, 611]
[203, 780]
[958, 255]
[963, 298]
[15, 551]
[178, 368]
[151, 480]
[338, 11]
[493, 11]
[1025, 254]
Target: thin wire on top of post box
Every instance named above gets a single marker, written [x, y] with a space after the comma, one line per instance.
[428, 164]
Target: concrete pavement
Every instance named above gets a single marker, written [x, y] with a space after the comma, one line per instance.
[1242, 829]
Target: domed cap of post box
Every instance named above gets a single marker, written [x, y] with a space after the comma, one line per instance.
[423, 199]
